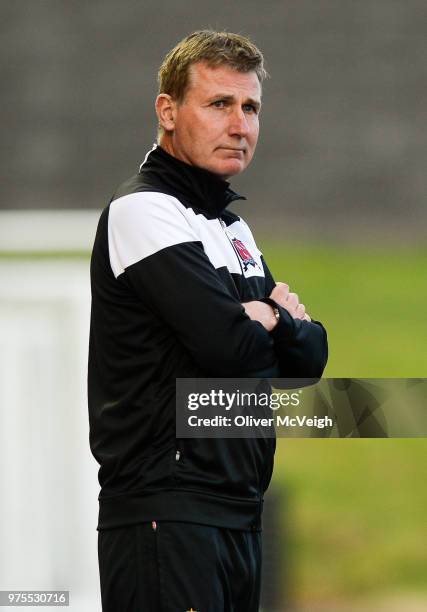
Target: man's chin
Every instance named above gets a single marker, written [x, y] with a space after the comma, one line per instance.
[228, 168]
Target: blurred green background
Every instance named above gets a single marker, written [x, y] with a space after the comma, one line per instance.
[371, 299]
[354, 511]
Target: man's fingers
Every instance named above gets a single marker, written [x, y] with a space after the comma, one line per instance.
[293, 300]
[300, 311]
[283, 285]
[290, 301]
[280, 293]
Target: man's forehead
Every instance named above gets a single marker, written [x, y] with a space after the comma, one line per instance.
[208, 80]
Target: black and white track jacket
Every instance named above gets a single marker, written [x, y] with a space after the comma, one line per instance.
[170, 269]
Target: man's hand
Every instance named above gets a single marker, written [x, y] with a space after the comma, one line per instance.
[258, 311]
[290, 301]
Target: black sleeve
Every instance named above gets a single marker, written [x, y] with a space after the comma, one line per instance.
[301, 346]
[180, 285]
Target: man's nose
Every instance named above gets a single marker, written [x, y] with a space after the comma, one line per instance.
[238, 124]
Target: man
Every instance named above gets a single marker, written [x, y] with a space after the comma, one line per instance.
[180, 289]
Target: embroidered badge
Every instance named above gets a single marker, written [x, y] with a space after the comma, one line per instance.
[245, 257]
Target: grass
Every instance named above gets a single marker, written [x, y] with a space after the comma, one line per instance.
[355, 509]
[43, 255]
[354, 515]
[372, 302]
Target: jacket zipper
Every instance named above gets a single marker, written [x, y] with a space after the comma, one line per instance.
[261, 484]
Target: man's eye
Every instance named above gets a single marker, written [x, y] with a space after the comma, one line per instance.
[249, 108]
[218, 103]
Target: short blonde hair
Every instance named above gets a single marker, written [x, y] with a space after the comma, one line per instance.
[214, 48]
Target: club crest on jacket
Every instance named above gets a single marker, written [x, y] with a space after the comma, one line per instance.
[244, 255]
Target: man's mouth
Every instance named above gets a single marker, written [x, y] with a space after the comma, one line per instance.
[234, 149]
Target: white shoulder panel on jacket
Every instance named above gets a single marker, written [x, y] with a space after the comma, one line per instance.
[140, 224]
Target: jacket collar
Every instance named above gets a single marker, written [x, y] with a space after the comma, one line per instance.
[197, 186]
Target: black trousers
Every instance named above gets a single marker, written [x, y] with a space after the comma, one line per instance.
[179, 567]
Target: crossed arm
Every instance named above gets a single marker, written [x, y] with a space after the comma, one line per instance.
[300, 344]
[264, 314]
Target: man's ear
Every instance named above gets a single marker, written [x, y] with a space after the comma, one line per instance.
[166, 111]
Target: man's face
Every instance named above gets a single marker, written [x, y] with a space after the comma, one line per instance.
[216, 125]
